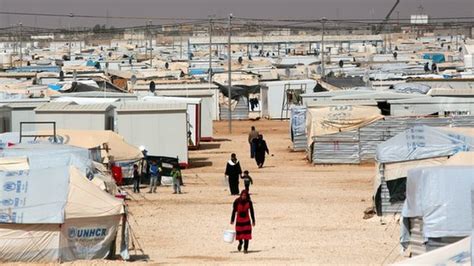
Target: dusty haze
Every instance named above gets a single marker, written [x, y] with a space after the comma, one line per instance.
[240, 8]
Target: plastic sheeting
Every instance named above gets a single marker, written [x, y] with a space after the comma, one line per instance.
[298, 128]
[25, 198]
[441, 196]
[458, 253]
[411, 88]
[421, 142]
[51, 155]
[340, 118]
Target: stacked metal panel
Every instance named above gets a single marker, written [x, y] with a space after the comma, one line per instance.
[419, 244]
[298, 134]
[362, 145]
[240, 112]
[339, 148]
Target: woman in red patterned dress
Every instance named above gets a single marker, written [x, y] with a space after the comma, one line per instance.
[243, 225]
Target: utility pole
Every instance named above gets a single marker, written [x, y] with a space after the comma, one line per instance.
[69, 34]
[21, 44]
[323, 72]
[229, 55]
[210, 52]
[151, 44]
[180, 42]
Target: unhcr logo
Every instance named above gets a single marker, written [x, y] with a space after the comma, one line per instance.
[9, 186]
[87, 233]
[7, 202]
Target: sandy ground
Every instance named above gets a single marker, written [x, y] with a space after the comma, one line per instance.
[305, 214]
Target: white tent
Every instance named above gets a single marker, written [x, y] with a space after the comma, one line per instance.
[441, 196]
[415, 147]
[77, 221]
[458, 253]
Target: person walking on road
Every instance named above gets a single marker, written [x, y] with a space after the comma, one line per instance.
[233, 172]
[252, 135]
[247, 180]
[241, 209]
[260, 149]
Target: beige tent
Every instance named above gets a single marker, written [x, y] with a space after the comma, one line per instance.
[118, 149]
[333, 119]
[87, 229]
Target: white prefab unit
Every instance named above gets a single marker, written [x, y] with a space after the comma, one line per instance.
[436, 105]
[193, 116]
[188, 89]
[276, 96]
[207, 109]
[22, 112]
[68, 115]
[158, 128]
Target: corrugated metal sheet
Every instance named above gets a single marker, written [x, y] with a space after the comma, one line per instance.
[298, 128]
[70, 107]
[240, 112]
[150, 107]
[335, 148]
[419, 245]
[52, 106]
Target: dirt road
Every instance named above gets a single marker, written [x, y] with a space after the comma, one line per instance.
[305, 214]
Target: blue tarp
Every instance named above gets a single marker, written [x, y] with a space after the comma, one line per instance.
[90, 63]
[55, 87]
[436, 58]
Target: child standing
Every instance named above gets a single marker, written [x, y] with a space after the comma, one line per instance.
[136, 179]
[247, 180]
[176, 175]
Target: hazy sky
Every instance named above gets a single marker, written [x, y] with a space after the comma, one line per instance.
[240, 8]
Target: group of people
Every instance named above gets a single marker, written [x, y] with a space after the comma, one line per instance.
[258, 147]
[242, 209]
[155, 178]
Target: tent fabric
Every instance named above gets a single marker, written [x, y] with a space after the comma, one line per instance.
[458, 253]
[119, 149]
[342, 118]
[421, 142]
[44, 155]
[87, 200]
[29, 242]
[87, 239]
[25, 197]
[411, 88]
[441, 196]
[78, 221]
[13, 164]
[398, 170]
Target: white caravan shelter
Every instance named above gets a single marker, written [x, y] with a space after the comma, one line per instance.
[273, 94]
[207, 108]
[69, 115]
[158, 128]
[194, 117]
